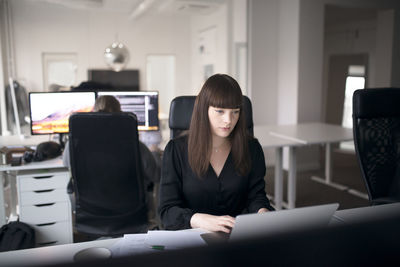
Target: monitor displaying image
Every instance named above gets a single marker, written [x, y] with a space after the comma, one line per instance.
[144, 104]
[50, 111]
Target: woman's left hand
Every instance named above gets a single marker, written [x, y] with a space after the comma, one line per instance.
[262, 210]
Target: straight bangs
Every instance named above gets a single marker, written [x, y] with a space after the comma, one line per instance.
[222, 96]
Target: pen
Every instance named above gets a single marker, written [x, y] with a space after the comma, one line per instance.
[158, 247]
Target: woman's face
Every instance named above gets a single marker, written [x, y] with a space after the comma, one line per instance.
[222, 120]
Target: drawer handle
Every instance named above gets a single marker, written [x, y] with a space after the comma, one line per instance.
[47, 243]
[43, 177]
[45, 224]
[43, 191]
[46, 204]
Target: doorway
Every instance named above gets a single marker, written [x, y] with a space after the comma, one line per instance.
[346, 74]
[340, 68]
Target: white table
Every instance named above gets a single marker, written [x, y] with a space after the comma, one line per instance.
[359, 215]
[297, 135]
[317, 133]
[14, 140]
[50, 255]
[312, 134]
[261, 132]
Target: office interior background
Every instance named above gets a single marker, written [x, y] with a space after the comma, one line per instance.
[291, 57]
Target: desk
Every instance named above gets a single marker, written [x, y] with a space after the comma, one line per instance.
[13, 140]
[38, 196]
[261, 132]
[65, 253]
[317, 133]
[50, 255]
[303, 134]
[359, 215]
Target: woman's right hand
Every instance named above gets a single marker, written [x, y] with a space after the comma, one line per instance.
[212, 223]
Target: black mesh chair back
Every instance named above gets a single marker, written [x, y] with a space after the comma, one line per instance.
[376, 127]
[180, 114]
[106, 173]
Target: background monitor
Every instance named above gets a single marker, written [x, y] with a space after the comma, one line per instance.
[125, 80]
[143, 104]
[50, 111]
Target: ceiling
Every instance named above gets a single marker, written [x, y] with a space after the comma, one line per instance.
[139, 7]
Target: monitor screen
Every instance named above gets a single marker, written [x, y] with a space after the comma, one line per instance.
[50, 111]
[144, 104]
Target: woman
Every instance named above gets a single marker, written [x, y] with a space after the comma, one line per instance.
[216, 172]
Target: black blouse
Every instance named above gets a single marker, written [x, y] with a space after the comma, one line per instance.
[183, 193]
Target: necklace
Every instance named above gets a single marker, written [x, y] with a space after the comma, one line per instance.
[216, 149]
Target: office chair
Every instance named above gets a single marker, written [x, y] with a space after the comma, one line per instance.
[376, 128]
[180, 114]
[107, 175]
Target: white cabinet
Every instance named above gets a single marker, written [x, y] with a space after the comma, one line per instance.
[44, 204]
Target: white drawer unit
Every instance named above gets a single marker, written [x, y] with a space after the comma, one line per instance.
[45, 213]
[44, 204]
[51, 233]
[43, 196]
[43, 181]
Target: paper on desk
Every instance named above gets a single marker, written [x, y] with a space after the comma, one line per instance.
[175, 239]
[131, 244]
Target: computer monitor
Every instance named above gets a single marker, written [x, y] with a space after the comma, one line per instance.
[144, 104]
[50, 111]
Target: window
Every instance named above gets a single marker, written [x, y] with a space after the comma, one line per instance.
[354, 80]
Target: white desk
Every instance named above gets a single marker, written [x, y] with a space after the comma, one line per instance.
[13, 140]
[50, 255]
[261, 132]
[302, 134]
[359, 215]
[317, 133]
[31, 186]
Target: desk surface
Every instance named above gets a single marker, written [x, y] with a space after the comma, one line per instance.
[50, 255]
[46, 164]
[358, 215]
[312, 133]
[262, 133]
[29, 141]
[15, 140]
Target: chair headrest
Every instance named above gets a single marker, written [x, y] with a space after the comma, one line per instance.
[180, 112]
[377, 102]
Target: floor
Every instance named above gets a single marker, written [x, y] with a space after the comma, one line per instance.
[345, 171]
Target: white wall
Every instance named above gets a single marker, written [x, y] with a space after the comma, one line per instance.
[239, 45]
[213, 28]
[43, 27]
[288, 61]
[263, 59]
[3, 118]
[311, 36]
[384, 46]
[239, 21]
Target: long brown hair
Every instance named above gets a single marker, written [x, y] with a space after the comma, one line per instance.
[222, 91]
